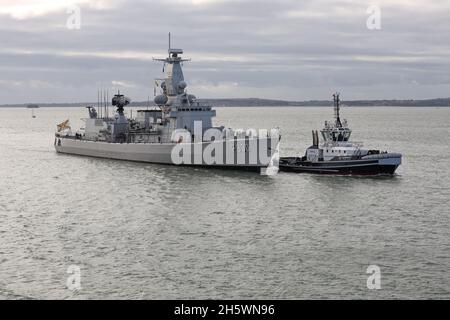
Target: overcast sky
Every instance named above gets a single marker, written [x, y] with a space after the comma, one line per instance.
[283, 49]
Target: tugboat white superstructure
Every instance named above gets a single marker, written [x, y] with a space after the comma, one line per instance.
[179, 127]
[337, 155]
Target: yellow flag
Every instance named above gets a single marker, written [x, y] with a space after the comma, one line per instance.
[63, 125]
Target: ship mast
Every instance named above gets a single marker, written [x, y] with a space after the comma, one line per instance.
[174, 72]
[337, 108]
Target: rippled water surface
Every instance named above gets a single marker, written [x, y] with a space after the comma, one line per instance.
[143, 231]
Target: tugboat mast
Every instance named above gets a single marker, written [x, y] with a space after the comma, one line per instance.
[337, 108]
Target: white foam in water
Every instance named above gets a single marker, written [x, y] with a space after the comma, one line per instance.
[273, 168]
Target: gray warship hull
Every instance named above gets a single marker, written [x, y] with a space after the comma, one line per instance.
[161, 153]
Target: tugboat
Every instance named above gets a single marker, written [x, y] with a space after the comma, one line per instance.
[337, 155]
[177, 131]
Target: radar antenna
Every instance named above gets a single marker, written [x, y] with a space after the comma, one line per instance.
[120, 101]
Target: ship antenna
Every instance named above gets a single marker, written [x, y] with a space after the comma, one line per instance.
[107, 104]
[104, 99]
[103, 103]
[169, 44]
[98, 99]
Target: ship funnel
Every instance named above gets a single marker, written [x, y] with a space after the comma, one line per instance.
[315, 137]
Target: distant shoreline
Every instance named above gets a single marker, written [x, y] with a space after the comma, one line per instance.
[254, 102]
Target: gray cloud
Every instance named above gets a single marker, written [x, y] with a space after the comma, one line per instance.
[272, 49]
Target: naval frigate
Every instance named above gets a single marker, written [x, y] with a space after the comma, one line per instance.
[178, 131]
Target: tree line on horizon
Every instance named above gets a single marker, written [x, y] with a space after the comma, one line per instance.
[257, 102]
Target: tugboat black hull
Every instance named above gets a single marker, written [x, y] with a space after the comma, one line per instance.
[382, 166]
